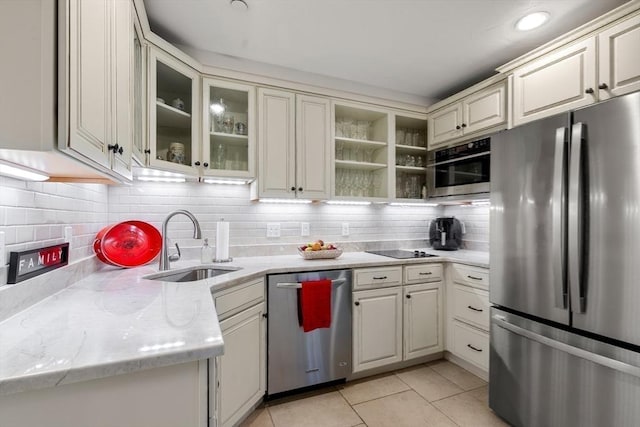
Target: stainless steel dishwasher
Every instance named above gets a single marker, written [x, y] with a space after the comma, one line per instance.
[299, 359]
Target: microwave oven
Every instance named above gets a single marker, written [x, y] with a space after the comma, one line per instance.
[460, 170]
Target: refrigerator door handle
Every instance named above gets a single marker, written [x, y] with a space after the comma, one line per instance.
[578, 299]
[607, 362]
[558, 223]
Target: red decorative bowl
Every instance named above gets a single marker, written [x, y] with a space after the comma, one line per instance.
[128, 244]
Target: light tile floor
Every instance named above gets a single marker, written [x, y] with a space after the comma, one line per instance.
[438, 394]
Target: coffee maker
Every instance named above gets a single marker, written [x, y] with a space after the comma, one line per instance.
[445, 233]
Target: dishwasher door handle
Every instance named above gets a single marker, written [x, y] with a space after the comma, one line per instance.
[299, 285]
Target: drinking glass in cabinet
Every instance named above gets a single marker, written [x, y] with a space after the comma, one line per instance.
[228, 123]
[399, 136]
[219, 157]
[339, 150]
[363, 129]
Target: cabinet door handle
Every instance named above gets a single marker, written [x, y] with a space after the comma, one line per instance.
[464, 125]
[113, 147]
[474, 348]
[206, 165]
[300, 189]
[197, 164]
[408, 296]
[293, 188]
[357, 303]
[474, 278]
[380, 278]
[474, 309]
[120, 150]
[458, 127]
[589, 90]
[147, 151]
[603, 86]
[428, 273]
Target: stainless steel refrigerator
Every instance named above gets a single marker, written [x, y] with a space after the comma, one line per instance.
[565, 269]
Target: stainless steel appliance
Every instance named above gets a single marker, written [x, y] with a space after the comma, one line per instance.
[564, 274]
[445, 233]
[299, 359]
[401, 254]
[460, 170]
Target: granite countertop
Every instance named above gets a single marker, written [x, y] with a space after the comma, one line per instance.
[115, 321]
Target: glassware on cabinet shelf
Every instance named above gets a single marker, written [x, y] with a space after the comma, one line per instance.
[228, 123]
[220, 157]
[400, 136]
[340, 150]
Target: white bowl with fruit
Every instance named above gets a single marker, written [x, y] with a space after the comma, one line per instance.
[319, 250]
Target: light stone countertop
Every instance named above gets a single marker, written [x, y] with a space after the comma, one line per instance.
[115, 321]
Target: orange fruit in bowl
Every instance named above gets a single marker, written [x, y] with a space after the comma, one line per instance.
[316, 246]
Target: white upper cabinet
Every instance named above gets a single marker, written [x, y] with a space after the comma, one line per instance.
[173, 114]
[619, 59]
[313, 147]
[139, 81]
[99, 83]
[228, 141]
[482, 110]
[561, 81]
[293, 145]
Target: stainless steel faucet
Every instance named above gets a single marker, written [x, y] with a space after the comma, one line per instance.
[165, 258]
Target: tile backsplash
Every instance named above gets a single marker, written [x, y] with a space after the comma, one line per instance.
[36, 214]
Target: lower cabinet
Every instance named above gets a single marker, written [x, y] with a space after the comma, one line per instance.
[422, 320]
[168, 396]
[377, 328]
[468, 318]
[396, 323]
[238, 377]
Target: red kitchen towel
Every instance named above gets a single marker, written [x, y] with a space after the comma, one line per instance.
[315, 301]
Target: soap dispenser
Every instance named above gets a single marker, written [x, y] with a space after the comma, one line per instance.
[206, 254]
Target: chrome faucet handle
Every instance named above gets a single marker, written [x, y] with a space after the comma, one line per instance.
[175, 257]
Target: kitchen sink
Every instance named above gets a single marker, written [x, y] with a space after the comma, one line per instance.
[191, 275]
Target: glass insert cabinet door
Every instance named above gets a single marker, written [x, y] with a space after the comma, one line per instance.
[173, 117]
[229, 129]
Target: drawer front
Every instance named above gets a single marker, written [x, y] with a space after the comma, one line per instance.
[470, 344]
[422, 273]
[471, 276]
[377, 277]
[232, 301]
[471, 305]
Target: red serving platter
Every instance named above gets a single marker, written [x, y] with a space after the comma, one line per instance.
[128, 244]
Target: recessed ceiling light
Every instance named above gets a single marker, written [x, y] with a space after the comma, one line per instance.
[532, 20]
[239, 4]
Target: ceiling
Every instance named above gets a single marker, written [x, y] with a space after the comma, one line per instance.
[426, 48]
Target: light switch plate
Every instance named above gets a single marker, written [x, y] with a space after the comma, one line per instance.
[273, 229]
[345, 229]
[68, 234]
[304, 229]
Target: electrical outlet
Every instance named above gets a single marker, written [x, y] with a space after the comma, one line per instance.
[345, 229]
[304, 229]
[273, 229]
[68, 234]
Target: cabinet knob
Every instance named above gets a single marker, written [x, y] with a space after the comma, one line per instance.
[197, 163]
[357, 303]
[603, 86]
[147, 151]
[205, 164]
[113, 147]
[293, 188]
[120, 150]
[408, 296]
[589, 90]
[458, 127]
[300, 189]
[464, 125]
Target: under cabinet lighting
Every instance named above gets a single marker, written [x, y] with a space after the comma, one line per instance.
[347, 202]
[159, 179]
[226, 181]
[283, 201]
[481, 203]
[532, 20]
[431, 205]
[13, 170]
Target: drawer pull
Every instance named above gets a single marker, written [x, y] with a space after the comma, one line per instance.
[479, 350]
[428, 273]
[380, 278]
[475, 309]
[474, 277]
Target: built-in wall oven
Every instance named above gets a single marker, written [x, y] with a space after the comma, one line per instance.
[460, 170]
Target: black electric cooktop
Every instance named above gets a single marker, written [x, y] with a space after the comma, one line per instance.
[400, 254]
